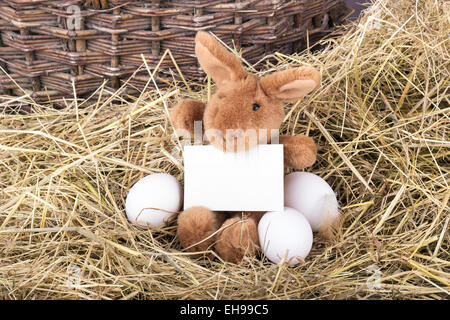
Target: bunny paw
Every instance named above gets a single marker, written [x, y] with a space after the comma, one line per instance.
[299, 151]
[197, 227]
[238, 238]
[186, 113]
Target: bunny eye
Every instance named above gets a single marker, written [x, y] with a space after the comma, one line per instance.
[256, 107]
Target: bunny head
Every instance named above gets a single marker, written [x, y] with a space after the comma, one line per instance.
[246, 110]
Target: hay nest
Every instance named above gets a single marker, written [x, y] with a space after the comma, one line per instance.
[381, 119]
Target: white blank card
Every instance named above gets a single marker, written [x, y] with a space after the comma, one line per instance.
[227, 181]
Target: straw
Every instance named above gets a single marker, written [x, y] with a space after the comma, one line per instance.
[380, 118]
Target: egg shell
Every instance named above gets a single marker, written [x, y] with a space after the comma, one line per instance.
[311, 196]
[285, 234]
[159, 191]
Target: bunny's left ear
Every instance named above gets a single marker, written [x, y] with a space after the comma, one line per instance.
[218, 63]
[291, 84]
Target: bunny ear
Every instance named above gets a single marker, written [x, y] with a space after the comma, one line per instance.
[220, 64]
[291, 84]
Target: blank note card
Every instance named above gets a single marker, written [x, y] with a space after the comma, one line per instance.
[244, 181]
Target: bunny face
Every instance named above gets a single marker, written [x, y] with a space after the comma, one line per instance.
[246, 109]
[241, 115]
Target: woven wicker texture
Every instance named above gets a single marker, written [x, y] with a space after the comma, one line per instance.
[48, 48]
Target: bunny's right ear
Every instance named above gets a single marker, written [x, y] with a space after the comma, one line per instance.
[218, 63]
[291, 84]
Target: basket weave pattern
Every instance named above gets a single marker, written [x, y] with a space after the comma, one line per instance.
[48, 48]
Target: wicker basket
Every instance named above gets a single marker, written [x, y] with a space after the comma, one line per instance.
[49, 47]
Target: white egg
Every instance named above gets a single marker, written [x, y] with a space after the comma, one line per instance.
[153, 200]
[285, 235]
[313, 197]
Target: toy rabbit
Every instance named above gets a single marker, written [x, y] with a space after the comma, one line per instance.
[242, 101]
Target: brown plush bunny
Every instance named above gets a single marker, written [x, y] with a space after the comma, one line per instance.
[242, 101]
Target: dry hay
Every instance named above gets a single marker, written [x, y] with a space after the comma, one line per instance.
[381, 119]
